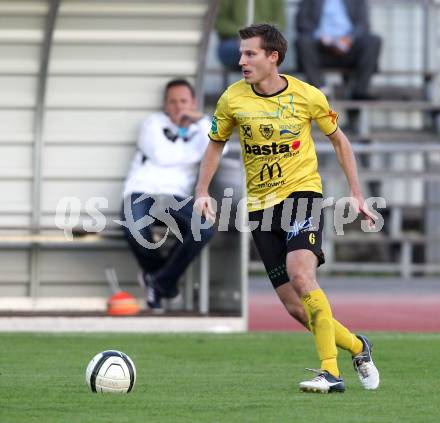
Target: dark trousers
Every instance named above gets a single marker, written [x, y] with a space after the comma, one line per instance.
[166, 265]
[362, 58]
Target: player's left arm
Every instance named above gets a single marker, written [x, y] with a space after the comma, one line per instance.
[347, 160]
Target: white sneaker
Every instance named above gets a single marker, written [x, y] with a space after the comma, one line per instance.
[323, 383]
[364, 366]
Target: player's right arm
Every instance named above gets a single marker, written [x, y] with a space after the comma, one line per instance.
[208, 167]
[222, 126]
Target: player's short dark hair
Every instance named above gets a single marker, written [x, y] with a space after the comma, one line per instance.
[179, 83]
[271, 39]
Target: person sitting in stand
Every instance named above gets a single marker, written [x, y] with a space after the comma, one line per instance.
[158, 190]
[336, 33]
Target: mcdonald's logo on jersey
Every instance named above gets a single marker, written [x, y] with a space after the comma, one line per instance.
[270, 170]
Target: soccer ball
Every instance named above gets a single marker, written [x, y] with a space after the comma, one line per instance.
[111, 371]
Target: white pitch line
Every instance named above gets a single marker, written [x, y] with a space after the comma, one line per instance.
[125, 324]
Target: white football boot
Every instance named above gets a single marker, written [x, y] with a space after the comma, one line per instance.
[364, 366]
[323, 383]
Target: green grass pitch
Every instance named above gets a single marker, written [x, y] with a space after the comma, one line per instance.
[213, 378]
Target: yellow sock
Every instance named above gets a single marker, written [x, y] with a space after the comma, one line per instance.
[347, 340]
[321, 324]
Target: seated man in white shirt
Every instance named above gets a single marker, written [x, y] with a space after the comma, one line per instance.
[158, 189]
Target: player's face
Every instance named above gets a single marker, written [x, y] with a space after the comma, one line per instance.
[178, 100]
[256, 65]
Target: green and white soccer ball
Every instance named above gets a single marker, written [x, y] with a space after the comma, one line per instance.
[111, 371]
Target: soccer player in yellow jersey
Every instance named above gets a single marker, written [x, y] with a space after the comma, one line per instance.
[273, 114]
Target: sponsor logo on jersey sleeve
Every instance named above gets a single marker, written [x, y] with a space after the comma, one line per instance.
[214, 128]
[332, 115]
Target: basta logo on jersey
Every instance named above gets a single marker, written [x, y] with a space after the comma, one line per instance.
[274, 148]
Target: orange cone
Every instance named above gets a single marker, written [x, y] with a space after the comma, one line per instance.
[122, 304]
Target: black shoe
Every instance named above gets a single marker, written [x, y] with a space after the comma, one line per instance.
[153, 296]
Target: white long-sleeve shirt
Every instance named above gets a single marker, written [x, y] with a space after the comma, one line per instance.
[163, 166]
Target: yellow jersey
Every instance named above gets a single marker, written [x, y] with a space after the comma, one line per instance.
[275, 137]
